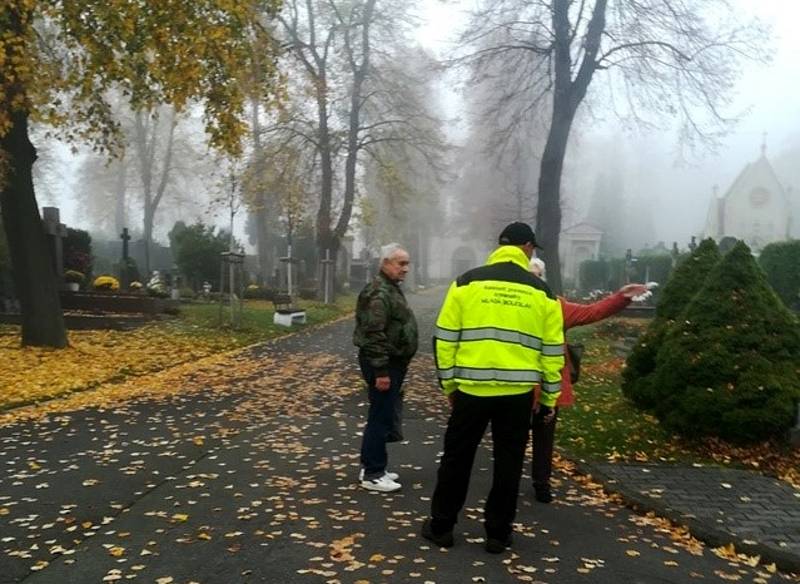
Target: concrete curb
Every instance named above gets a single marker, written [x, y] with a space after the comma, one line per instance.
[702, 530]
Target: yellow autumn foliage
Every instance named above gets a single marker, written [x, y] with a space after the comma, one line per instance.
[60, 58]
[30, 374]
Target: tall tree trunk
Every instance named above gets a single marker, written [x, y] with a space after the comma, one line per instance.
[360, 74]
[147, 153]
[548, 212]
[31, 257]
[325, 233]
[567, 96]
[260, 216]
[147, 237]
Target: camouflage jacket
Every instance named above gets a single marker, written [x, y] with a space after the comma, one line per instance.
[386, 330]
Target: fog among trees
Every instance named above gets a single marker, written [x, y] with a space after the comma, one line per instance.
[370, 120]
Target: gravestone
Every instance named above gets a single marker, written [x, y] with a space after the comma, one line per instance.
[56, 232]
[359, 274]
[125, 276]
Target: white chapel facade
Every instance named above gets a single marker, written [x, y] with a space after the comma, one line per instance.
[756, 208]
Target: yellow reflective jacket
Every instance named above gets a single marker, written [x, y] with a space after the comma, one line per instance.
[500, 331]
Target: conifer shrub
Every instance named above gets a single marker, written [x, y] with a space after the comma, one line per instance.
[730, 365]
[781, 262]
[686, 280]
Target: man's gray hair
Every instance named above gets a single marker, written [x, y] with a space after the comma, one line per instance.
[388, 250]
[537, 265]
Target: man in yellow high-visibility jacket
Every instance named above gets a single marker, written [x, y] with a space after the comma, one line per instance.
[499, 333]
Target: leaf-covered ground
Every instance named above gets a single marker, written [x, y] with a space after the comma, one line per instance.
[30, 374]
[604, 425]
[242, 468]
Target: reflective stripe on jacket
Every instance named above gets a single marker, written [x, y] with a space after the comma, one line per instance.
[500, 330]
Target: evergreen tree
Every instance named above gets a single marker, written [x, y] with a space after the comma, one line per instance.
[197, 250]
[684, 283]
[781, 262]
[687, 279]
[730, 366]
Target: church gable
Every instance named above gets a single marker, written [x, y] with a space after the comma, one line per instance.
[757, 188]
[755, 208]
[582, 229]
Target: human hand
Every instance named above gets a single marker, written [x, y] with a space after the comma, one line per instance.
[383, 383]
[451, 398]
[631, 290]
[547, 413]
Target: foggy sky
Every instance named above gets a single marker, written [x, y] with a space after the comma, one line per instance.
[680, 190]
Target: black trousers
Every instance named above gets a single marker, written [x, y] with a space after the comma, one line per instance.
[510, 419]
[543, 436]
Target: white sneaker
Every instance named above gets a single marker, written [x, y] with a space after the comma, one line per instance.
[392, 475]
[383, 484]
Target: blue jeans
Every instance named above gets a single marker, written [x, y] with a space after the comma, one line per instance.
[382, 419]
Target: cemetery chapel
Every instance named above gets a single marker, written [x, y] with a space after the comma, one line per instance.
[756, 208]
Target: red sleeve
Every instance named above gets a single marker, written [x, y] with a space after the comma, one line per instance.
[579, 314]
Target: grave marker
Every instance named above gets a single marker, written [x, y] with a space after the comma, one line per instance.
[56, 232]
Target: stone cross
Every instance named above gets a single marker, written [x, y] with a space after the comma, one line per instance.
[629, 260]
[56, 232]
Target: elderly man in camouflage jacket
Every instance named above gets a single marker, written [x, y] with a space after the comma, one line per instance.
[386, 336]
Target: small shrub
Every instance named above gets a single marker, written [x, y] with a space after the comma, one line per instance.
[106, 282]
[256, 292]
[187, 293]
[308, 292]
[73, 277]
[158, 291]
[156, 286]
[129, 270]
[77, 254]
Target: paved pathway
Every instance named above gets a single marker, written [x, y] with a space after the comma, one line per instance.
[761, 515]
[247, 474]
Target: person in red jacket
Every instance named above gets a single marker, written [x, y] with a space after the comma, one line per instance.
[543, 428]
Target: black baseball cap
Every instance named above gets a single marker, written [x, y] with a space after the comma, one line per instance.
[517, 233]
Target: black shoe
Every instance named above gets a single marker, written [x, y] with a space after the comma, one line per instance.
[444, 540]
[542, 493]
[497, 546]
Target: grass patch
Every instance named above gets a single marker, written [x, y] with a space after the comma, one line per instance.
[604, 425]
[203, 319]
[32, 374]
